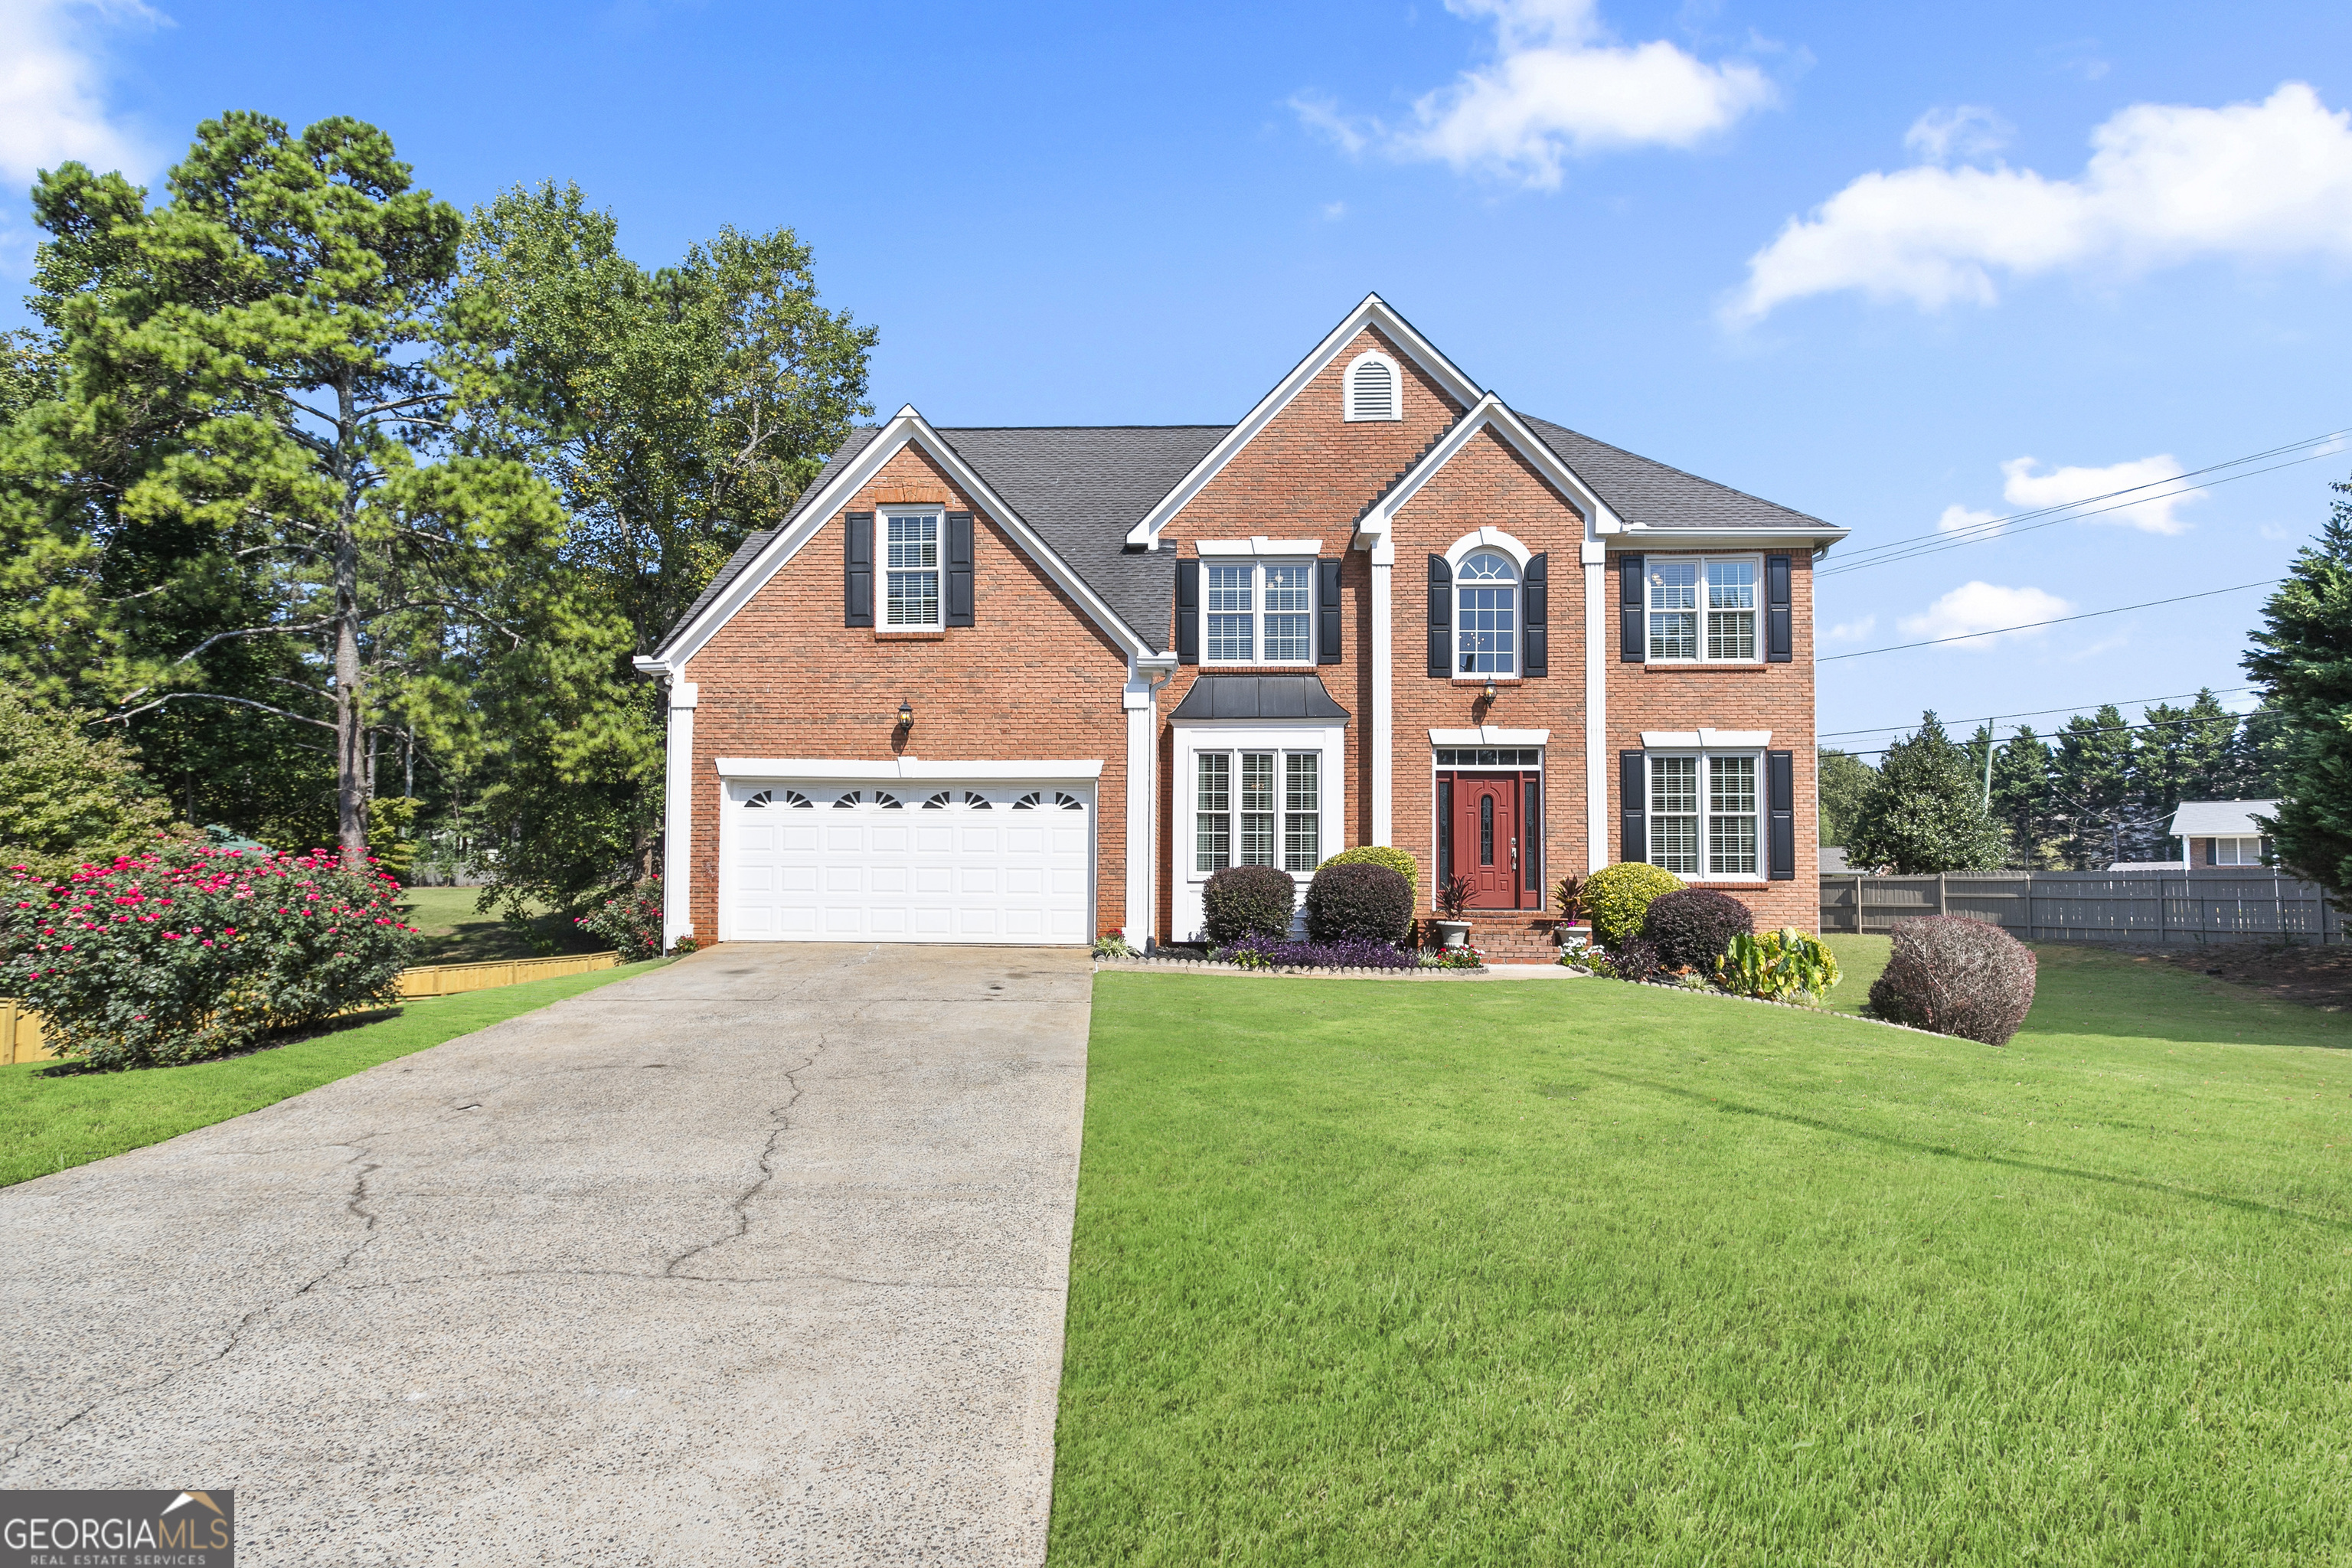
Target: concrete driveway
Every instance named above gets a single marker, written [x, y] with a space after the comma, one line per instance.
[760, 1258]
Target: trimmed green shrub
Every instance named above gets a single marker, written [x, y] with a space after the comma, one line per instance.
[1395, 859]
[1693, 926]
[1241, 901]
[186, 952]
[630, 919]
[1358, 901]
[1617, 898]
[1956, 976]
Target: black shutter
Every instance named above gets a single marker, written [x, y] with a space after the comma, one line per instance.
[1632, 647]
[857, 570]
[1444, 837]
[1532, 832]
[1633, 795]
[1781, 799]
[1779, 639]
[1188, 612]
[1441, 619]
[1327, 612]
[959, 605]
[1539, 617]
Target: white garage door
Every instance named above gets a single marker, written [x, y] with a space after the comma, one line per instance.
[807, 861]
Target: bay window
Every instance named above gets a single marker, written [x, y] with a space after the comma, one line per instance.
[1702, 609]
[1257, 808]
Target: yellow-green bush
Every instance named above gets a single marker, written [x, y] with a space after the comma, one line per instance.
[1395, 859]
[1617, 898]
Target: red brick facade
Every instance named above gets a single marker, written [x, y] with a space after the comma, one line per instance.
[1038, 677]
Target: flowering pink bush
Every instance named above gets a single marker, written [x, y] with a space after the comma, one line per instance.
[631, 919]
[186, 950]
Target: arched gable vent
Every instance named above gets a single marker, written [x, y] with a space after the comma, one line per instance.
[1375, 390]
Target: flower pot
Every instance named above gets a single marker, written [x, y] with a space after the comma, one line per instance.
[1452, 934]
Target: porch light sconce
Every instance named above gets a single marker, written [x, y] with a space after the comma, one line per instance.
[906, 714]
[1490, 688]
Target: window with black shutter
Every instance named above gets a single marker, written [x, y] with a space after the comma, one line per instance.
[1188, 612]
[857, 569]
[1632, 644]
[959, 605]
[1441, 619]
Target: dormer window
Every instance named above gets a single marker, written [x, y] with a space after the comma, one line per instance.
[1375, 389]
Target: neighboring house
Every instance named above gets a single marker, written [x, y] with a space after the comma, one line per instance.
[1036, 685]
[1832, 860]
[2223, 832]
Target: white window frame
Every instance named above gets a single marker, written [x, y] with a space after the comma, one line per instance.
[1284, 811]
[937, 517]
[1517, 583]
[1195, 736]
[2238, 842]
[1757, 610]
[1705, 848]
[1353, 411]
[1256, 566]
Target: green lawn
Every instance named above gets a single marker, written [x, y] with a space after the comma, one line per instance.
[1520, 1273]
[455, 932]
[48, 1122]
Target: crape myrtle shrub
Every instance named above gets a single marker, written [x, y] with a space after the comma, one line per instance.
[1618, 897]
[184, 951]
[1358, 901]
[1694, 928]
[631, 919]
[1956, 976]
[1241, 901]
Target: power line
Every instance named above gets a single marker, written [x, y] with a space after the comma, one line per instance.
[2038, 712]
[2059, 621]
[1941, 540]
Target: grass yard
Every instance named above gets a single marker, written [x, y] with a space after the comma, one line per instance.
[1369, 1272]
[454, 931]
[50, 1122]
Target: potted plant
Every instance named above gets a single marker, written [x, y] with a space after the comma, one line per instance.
[1575, 931]
[1452, 901]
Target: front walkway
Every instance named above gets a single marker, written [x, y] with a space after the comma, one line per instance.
[760, 1258]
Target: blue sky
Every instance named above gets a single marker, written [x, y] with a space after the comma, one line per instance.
[2040, 251]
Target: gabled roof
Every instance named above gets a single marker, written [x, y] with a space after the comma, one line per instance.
[2222, 818]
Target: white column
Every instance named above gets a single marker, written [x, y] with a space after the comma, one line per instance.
[1142, 842]
[678, 819]
[1384, 744]
[1599, 619]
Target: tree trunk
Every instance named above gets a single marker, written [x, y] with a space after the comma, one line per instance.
[351, 740]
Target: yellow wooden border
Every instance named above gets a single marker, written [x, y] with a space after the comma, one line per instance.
[20, 1027]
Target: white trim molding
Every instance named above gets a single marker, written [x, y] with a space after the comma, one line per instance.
[1705, 739]
[1489, 735]
[677, 814]
[1373, 312]
[1069, 771]
[1488, 538]
[1351, 410]
[1259, 544]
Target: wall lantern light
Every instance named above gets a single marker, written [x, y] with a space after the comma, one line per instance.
[906, 714]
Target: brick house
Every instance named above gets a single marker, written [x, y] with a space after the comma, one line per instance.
[1036, 685]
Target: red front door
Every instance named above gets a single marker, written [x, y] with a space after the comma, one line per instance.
[1487, 838]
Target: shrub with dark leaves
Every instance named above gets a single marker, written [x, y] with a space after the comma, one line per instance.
[1636, 958]
[1956, 976]
[1242, 900]
[1357, 902]
[1358, 954]
[1694, 927]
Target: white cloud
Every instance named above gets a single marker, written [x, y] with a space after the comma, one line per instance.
[1983, 607]
[1969, 130]
[1854, 631]
[1559, 88]
[1334, 211]
[51, 104]
[2164, 184]
[2063, 487]
[1956, 518]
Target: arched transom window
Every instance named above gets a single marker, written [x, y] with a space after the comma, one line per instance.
[1487, 615]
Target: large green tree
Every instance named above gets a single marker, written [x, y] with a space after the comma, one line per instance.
[67, 795]
[2304, 658]
[1925, 812]
[249, 463]
[1845, 781]
[2095, 795]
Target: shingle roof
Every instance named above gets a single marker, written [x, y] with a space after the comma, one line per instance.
[2221, 818]
[1258, 697]
[1649, 494]
[1083, 487]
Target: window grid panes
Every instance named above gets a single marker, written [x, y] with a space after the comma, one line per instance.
[2238, 851]
[1674, 814]
[1259, 613]
[1703, 610]
[1213, 802]
[1731, 816]
[1487, 615]
[1489, 757]
[1257, 808]
[1302, 806]
[913, 569]
[1731, 609]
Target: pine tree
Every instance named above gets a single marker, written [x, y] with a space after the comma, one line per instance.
[2305, 663]
[1925, 812]
[2096, 806]
[2020, 799]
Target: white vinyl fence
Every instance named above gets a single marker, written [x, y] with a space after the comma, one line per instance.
[2205, 905]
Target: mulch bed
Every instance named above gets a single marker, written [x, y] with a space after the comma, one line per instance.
[2318, 976]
